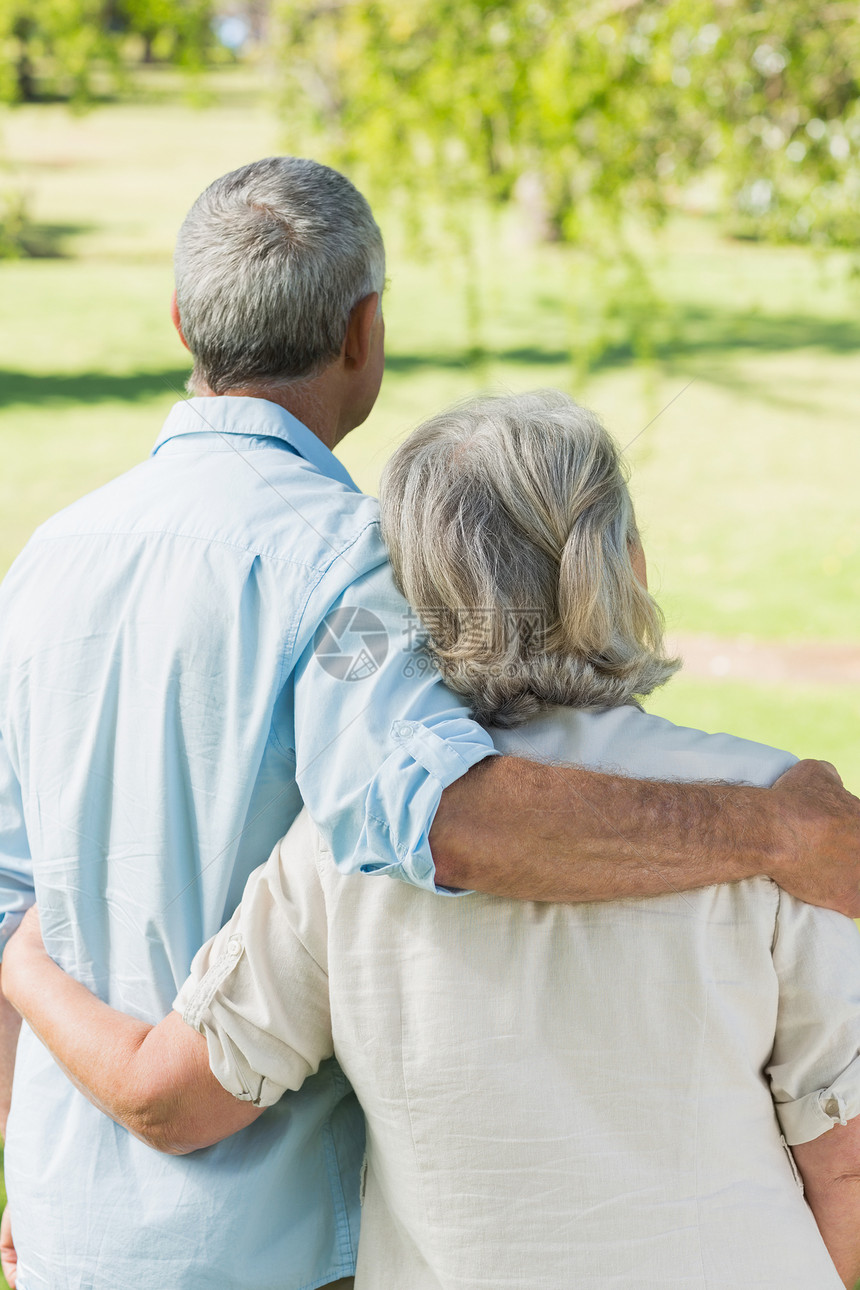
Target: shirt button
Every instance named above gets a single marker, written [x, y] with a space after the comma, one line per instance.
[403, 729]
[234, 947]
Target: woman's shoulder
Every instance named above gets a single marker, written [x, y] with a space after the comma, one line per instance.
[628, 741]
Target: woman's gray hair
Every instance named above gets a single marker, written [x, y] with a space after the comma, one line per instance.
[269, 263]
[510, 528]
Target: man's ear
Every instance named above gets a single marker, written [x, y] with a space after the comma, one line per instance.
[356, 344]
[177, 322]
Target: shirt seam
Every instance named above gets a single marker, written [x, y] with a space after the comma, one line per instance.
[340, 554]
[288, 657]
[288, 663]
[38, 540]
[313, 958]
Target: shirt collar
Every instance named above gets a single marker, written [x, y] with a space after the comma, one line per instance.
[254, 418]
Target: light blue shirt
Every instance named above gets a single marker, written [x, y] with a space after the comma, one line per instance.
[185, 654]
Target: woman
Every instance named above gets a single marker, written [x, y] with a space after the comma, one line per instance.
[601, 1096]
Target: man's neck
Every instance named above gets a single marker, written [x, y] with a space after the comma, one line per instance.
[310, 402]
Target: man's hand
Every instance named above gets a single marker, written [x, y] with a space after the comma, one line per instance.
[8, 1254]
[820, 858]
[513, 827]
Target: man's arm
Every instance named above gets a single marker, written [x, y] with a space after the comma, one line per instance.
[512, 827]
[153, 1080]
[385, 755]
[830, 1169]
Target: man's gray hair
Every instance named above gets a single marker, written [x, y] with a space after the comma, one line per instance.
[269, 263]
[510, 529]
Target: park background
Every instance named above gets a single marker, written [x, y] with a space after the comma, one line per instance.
[652, 206]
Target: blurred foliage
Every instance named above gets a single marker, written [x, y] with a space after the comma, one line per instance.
[587, 112]
[74, 50]
[15, 225]
[64, 38]
[65, 48]
[778, 95]
[176, 31]
[596, 118]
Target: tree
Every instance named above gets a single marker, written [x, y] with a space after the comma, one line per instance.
[600, 109]
[57, 46]
[779, 90]
[177, 31]
[595, 116]
[58, 40]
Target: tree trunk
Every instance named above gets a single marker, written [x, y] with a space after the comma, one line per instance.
[24, 75]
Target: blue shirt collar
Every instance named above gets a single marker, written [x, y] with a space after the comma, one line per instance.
[255, 418]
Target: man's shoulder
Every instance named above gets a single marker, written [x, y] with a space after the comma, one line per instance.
[268, 504]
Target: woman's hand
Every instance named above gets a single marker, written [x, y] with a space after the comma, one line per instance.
[29, 933]
[8, 1254]
[24, 948]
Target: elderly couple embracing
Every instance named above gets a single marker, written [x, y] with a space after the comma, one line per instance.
[534, 990]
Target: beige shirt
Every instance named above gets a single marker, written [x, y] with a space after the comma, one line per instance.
[594, 1096]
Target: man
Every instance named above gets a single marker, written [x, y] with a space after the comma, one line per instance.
[192, 650]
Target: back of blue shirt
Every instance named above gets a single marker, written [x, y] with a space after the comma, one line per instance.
[162, 710]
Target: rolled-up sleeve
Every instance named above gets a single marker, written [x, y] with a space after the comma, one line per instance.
[378, 735]
[258, 990]
[814, 1069]
[16, 867]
